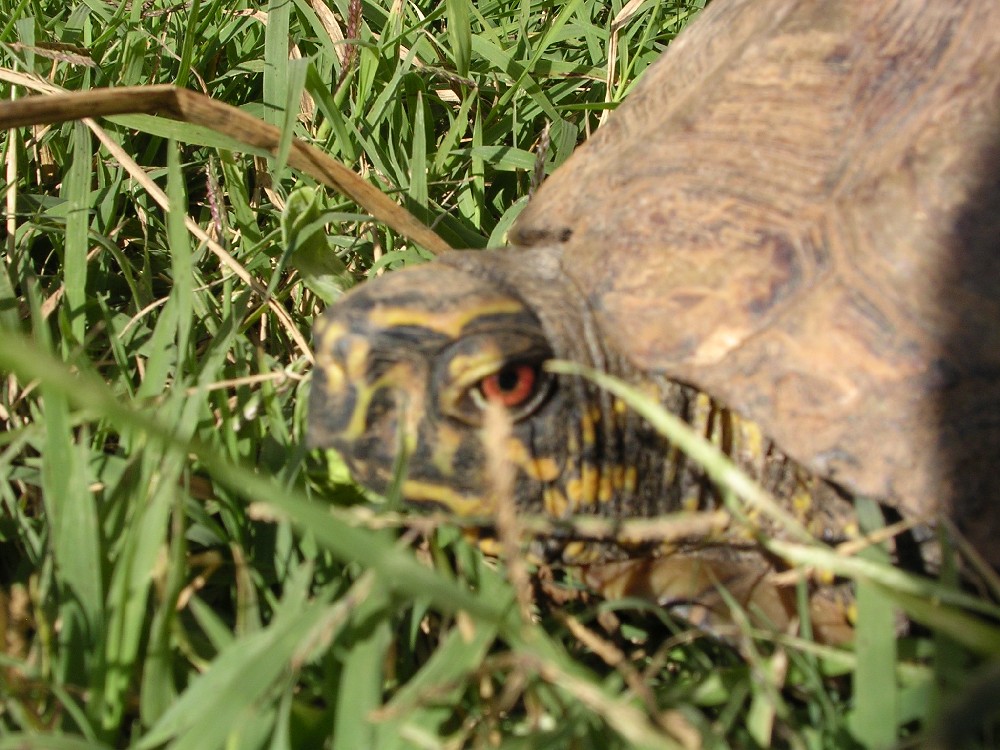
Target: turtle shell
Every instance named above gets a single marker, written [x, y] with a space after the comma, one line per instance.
[797, 210]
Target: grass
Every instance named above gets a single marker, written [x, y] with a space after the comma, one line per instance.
[178, 570]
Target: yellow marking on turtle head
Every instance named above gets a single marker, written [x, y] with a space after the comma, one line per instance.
[336, 378]
[750, 436]
[329, 332]
[416, 490]
[490, 546]
[824, 577]
[574, 491]
[612, 483]
[587, 430]
[577, 552]
[555, 502]
[448, 441]
[465, 370]
[583, 490]
[401, 373]
[801, 503]
[631, 479]
[619, 406]
[356, 426]
[477, 365]
[357, 359]
[605, 489]
[539, 468]
[450, 322]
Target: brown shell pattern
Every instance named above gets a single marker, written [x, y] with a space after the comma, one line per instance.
[797, 210]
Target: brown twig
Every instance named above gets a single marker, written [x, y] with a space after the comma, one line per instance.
[189, 106]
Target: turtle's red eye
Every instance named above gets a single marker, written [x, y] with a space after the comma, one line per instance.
[513, 385]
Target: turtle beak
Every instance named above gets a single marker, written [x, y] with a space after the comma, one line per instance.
[356, 410]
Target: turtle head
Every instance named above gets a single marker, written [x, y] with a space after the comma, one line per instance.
[406, 367]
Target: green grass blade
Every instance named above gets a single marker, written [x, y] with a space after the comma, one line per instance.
[210, 711]
[276, 61]
[876, 700]
[460, 34]
[74, 530]
[418, 156]
[297, 71]
[49, 742]
[190, 39]
[77, 190]
[180, 254]
[362, 678]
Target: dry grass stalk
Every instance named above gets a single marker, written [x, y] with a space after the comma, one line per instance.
[191, 107]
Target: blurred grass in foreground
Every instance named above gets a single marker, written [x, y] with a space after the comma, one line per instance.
[177, 569]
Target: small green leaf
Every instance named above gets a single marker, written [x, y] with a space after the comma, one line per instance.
[307, 249]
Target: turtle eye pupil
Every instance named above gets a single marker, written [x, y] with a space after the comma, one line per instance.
[508, 379]
[511, 386]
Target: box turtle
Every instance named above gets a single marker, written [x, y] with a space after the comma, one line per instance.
[790, 232]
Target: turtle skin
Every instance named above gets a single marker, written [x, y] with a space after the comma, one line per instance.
[789, 234]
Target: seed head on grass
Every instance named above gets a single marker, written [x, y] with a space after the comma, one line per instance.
[351, 34]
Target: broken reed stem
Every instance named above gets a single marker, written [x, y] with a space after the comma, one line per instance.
[496, 434]
[189, 106]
